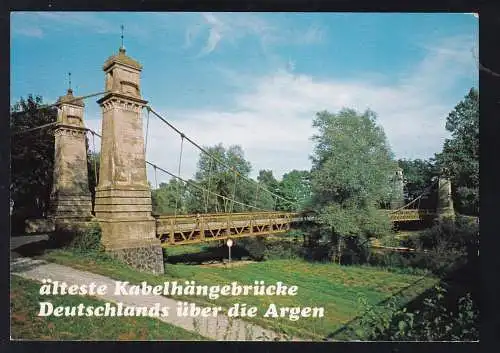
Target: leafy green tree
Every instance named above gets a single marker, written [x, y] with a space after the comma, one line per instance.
[219, 179]
[295, 187]
[460, 155]
[264, 199]
[170, 198]
[267, 179]
[93, 164]
[32, 157]
[417, 174]
[351, 174]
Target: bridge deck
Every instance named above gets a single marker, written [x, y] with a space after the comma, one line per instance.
[406, 215]
[189, 229]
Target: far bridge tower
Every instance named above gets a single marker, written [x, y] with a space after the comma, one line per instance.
[70, 199]
[398, 198]
[445, 208]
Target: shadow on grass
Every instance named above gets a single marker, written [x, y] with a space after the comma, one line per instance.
[208, 254]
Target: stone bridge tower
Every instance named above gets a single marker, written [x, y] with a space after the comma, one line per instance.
[123, 198]
[70, 199]
[398, 199]
[445, 207]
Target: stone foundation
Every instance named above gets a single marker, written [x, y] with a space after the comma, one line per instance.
[74, 224]
[134, 242]
[144, 258]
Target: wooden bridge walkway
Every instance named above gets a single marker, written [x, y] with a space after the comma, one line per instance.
[190, 229]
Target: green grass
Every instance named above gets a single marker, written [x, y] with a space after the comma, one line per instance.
[336, 288]
[25, 324]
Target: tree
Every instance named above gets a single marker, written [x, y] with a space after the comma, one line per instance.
[170, 198]
[93, 165]
[460, 155]
[221, 180]
[295, 187]
[264, 199]
[32, 157]
[351, 174]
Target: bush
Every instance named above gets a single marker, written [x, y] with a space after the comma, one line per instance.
[254, 246]
[440, 249]
[391, 259]
[437, 261]
[445, 234]
[79, 239]
[434, 322]
[282, 250]
[353, 250]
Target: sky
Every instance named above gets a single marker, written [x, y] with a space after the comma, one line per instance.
[257, 79]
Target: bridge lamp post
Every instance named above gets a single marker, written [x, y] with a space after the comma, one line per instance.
[229, 244]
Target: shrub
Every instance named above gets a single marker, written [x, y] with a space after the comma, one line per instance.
[391, 259]
[434, 322]
[440, 249]
[282, 250]
[353, 250]
[79, 239]
[445, 234]
[254, 246]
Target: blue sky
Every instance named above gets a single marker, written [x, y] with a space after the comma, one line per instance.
[257, 79]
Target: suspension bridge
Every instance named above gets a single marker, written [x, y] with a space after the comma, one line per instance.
[123, 204]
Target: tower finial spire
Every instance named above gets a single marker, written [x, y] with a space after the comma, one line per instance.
[70, 91]
[122, 48]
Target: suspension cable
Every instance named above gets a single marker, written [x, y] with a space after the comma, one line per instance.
[46, 106]
[199, 187]
[187, 182]
[209, 179]
[416, 199]
[212, 156]
[93, 132]
[95, 159]
[147, 132]
[156, 180]
[179, 173]
[224, 198]
[234, 191]
[257, 193]
[35, 128]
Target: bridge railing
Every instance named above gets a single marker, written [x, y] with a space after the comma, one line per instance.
[411, 214]
[183, 229]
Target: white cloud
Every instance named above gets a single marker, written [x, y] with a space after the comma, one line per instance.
[234, 26]
[272, 121]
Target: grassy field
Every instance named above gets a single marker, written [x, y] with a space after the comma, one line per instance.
[336, 288]
[25, 324]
